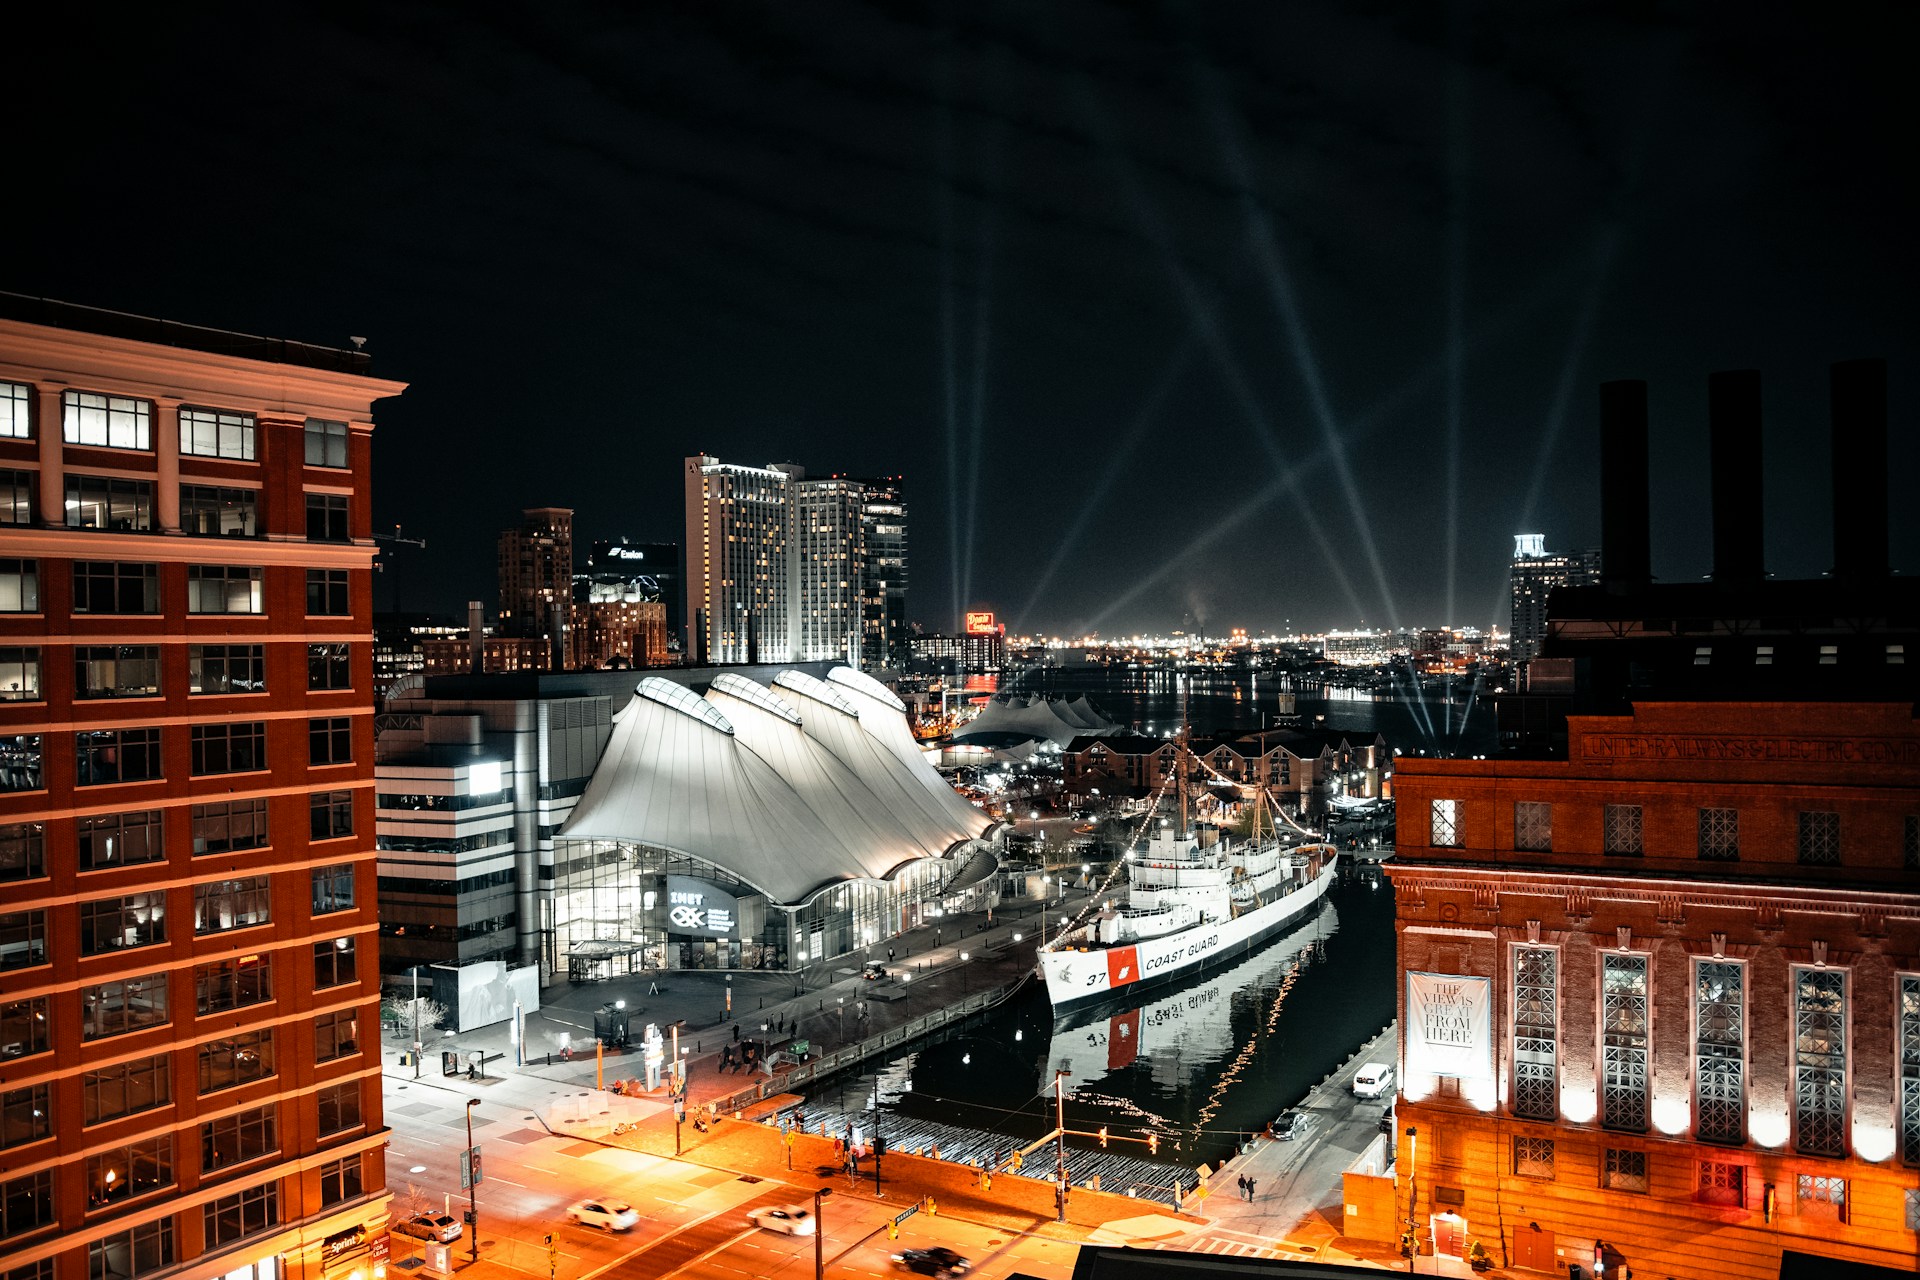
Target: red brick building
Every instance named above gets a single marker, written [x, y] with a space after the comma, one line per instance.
[189, 1073]
[1660, 963]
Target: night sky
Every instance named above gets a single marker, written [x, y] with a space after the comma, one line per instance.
[1198, 315]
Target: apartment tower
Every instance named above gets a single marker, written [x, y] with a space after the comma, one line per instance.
[189, 1025]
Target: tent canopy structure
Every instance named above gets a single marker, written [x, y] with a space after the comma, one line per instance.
[1008, 719]
[792, 789]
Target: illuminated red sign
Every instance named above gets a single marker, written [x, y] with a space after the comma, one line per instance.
[982, 624]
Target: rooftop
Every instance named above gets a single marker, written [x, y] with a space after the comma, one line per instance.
[172, 333]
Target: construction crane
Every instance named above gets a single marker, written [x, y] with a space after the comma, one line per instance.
[398, 540]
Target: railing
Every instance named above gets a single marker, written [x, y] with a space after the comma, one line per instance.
[827, 1064]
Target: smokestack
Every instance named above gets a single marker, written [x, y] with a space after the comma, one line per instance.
[1626, 562]
[1733, 428]
[476, 627]
[1860, 470]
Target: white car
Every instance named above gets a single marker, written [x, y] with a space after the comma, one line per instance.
[792, 1219]
[608, 1215]
[443, 1227]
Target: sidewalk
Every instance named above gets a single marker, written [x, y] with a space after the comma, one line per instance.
[830, 1005]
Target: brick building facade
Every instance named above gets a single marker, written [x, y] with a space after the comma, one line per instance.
[189, 1079]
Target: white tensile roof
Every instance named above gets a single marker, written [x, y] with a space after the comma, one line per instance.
[1032, 716]
[792, 789]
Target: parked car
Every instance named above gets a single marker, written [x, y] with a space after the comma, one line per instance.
[1289, 1125]
[937, 1261]
[790, 1219]
[608, 1215]
[1372, 1080]
[443, 1227]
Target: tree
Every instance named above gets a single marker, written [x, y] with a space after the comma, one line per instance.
[401, 1011]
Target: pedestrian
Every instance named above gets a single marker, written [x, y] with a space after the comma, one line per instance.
[889, 955]
[736, 1033]
[1250, 1190]
[1242, 1183]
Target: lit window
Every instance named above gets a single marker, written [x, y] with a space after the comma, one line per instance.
[215, 433]
[326, 443]
[215, 512]
[109, 502]
[1820, 1061]
[1535, 1032]
[1446, 823]
[1719, 1009]
[1623, 1022]
[16, 411]
[19, 674]
[110, 422]
[223, 589]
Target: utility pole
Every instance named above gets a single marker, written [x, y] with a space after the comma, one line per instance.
[819, 1235]
[415, 971]
[473, 1184]
[879, 1143]
[1060, 1143]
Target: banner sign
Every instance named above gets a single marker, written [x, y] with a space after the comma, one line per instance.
[1449, 1029]
[701, 908]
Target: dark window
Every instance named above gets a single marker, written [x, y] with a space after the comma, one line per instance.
[41, 1270]
[117, 755]
[330, 740]
[108, 422]
[226, 825]
[336, 1035]
[327, 593]
[327, 517]
[1819, 844]
[16, 491]
[1721, 1182]
[232, 983]
[229, 748]
[133, 1170]
[23, 938]
[120, 839]
[242, 1214]
[126, 1088]
[329, 666]
[20, 762]
[19, 586]
[16, 412]
[326, 443]
[226, 668]
[19, 674]
[333, 888]
[217, 512]
[241, 1059]
[1910, 845]
[340, 1180]
[26, 1203]
[332, 813]
[333, 963]
[1622, 830]
[1720, 835]
[122, 924]
[106, 586]
[116, 671]
[109, 502]
[23, 851]
[222, 588]
[238, 1138]
[220, 905]
[216, 433]
[24, 1028]
[25, 1116]
[132, 1253]
[339, 1107]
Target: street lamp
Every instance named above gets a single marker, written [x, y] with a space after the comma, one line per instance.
[1045, 879]
[1413, 1189]
[819, 1235]
[842, 1002]
[964, 957]
[415, 971]
[473, 1179]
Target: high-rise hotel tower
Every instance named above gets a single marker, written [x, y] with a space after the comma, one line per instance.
[189, 1066]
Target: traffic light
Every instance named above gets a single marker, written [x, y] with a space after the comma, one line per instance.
[933, 1210]
[879, 1146]
[893, 1230]
[1103, 1135]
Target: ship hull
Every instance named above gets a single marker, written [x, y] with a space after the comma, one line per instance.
[1081, 979]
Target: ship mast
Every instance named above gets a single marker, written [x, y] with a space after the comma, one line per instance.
[1180, 765]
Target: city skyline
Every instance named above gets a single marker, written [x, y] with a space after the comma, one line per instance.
[1167, 319]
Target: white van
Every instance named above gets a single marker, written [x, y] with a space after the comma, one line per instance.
[1372, 1080]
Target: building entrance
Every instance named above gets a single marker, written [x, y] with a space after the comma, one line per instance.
[1449, 1234]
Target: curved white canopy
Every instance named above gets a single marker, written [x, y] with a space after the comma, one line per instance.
[789, 793]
